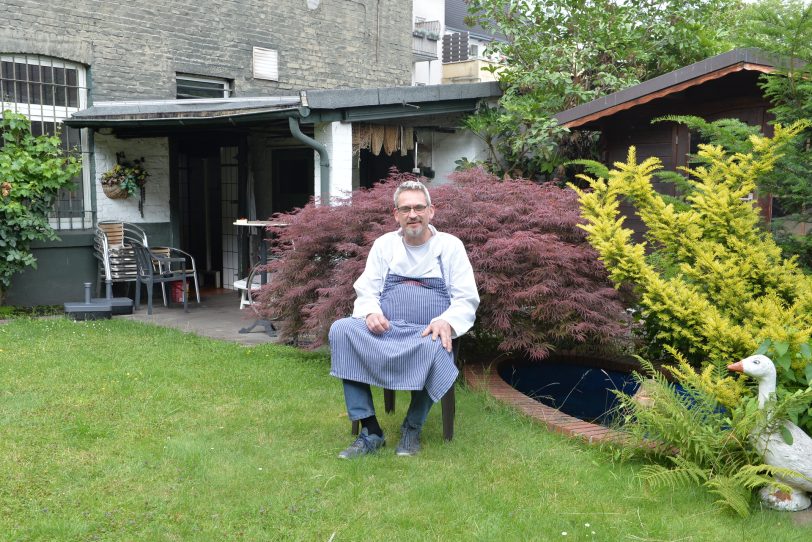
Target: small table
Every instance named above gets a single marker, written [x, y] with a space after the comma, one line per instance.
[270, 330]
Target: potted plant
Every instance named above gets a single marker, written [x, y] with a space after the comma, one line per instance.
[125, 179]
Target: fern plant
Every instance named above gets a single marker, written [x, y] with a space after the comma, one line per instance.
[692, 440]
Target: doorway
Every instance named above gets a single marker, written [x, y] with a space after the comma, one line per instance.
[373, 169]
[292, 179]
[209, 199]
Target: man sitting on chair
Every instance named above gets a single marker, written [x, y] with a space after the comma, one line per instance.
[418, 286]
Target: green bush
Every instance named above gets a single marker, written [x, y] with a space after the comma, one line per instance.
[32, 171]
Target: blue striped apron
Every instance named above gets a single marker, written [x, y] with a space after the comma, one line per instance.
[398, 359]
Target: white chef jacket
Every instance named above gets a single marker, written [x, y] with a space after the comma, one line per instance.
[389, 255]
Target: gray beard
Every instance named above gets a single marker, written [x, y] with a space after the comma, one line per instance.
[414, 234]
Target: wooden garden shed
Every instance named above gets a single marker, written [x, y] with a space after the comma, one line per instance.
[723, 86]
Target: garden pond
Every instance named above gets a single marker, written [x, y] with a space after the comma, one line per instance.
[580, 386]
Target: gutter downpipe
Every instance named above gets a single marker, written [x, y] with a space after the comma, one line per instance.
[324, 157]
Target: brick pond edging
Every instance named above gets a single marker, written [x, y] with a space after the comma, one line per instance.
[480, 377]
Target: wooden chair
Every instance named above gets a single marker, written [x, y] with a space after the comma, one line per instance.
[448, 404]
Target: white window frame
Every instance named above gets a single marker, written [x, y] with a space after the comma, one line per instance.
[56, 114]
[226, 84]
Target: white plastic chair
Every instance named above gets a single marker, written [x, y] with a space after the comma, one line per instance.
[246, 298]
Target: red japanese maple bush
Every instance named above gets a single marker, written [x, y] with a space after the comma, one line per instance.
[540, 283]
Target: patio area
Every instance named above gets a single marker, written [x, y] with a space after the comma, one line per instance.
[217, 316]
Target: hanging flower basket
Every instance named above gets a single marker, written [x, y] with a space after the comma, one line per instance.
[125, 179]
[114, 191]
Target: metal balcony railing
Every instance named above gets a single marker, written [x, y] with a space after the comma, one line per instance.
[431, 27]
[425, 40]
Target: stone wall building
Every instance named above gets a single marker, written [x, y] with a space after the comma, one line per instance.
[238, 108]
[135, 49]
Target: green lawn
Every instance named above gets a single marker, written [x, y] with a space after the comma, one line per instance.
[115, 430]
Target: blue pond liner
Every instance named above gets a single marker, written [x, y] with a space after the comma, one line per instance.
[578, 390]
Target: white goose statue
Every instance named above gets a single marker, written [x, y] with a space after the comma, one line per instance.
[776, 452]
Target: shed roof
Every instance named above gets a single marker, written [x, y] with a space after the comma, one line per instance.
[747, 59]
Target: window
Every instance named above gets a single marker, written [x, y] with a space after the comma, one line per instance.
[473, 51]
[199, 86]
[47, 91]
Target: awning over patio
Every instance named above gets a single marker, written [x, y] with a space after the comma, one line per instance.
[388, 103]
[218, 111]
[310, 106]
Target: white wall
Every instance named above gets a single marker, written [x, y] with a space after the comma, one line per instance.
[155, 152]
[451, 147]
[428, 72]
[337, 137]
[430, 10]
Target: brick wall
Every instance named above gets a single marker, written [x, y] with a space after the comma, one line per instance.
[135, 47]
[155, 153]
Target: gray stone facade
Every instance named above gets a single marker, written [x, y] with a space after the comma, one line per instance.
[134, 48]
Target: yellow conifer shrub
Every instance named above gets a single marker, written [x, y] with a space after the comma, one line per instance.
[728, 288]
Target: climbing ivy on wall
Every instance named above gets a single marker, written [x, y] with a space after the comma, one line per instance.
[32, 171]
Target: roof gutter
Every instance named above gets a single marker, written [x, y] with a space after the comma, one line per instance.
[324, 157]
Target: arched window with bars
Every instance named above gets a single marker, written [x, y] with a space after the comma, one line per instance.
[48, 90]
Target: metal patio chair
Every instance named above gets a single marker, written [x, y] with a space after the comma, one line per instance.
[154, 269]
[113, 247]
[188, 264]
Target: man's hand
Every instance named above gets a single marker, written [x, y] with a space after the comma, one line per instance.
[377, 323]
[442, 329]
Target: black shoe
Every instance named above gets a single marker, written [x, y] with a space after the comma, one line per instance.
[363, 445]
[409, 441]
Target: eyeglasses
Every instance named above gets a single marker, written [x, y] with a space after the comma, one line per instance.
[406, 209]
